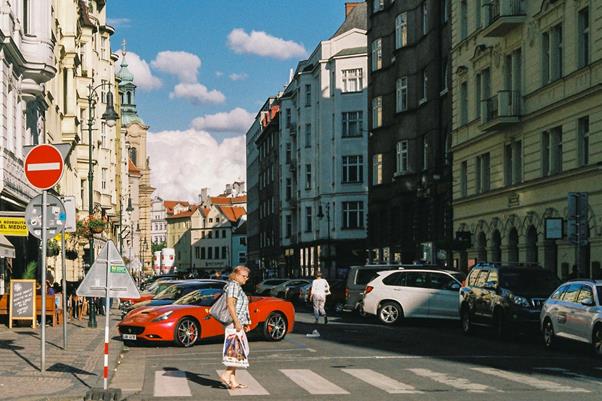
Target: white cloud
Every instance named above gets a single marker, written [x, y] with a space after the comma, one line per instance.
[119, 22]
[143, 77]
[197, 93]
[237, 120]
[263, 44]
[183, 162]
[238, 77]
[183, 65]
[219, 74]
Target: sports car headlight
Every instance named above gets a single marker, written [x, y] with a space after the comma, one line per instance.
[162, 317]
[520, 301]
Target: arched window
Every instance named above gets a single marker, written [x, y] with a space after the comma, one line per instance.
[496, 248]
[134, 155]
[513, 246]
[129, 95]
[482, 247]
[532, 245]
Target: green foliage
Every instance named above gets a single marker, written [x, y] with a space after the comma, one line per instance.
[96, 225]
[53, 248]
[30, 270]
[158, 246]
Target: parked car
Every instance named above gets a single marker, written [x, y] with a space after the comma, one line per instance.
[509, 298]
[265, 286]
[149, 293]
[334, 302]
[574, 311]
[174, 292]
[187, 320]
[162, 277]
[359, 276]
[281, 290]
[413, 293]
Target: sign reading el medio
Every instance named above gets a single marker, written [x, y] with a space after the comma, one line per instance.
[13, 226]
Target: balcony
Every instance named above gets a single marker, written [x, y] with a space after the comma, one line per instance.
[501, 16]
[501, 110]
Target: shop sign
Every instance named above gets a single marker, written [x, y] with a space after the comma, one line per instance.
[13, 226]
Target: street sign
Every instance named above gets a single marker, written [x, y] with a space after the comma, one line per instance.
[13, 226]
[43, 166]
[71, 221]
[121, 284]
[553, 228]
[55, 216]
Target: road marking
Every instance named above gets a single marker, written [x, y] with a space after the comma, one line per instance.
[455, 382]
[568, 373]
[244, 377]
[312, 382]
[530, 381]
[171, 383]
[381, 381]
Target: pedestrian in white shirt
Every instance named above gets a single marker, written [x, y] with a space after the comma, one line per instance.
[319, 290]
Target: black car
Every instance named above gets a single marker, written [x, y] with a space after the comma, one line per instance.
[508, 298]
[175, 292]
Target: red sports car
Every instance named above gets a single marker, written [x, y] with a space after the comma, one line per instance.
[187, 320]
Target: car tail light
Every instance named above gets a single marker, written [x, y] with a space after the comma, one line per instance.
[369, 289]
[346, 293]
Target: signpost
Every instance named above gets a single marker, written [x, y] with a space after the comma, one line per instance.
[108, 278]
[578, 226]
[43, 169]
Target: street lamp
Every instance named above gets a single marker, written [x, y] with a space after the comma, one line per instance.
[110, 118]
[327, 256]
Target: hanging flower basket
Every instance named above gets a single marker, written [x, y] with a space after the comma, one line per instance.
[96, 226]
[52, 248]
[71, 254]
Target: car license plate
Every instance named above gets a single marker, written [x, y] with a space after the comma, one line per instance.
[128, 336]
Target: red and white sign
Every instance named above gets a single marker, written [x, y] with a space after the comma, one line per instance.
[44, 166]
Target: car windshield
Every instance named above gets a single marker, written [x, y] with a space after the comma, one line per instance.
[599, 290]
[204, 297]
[171, 292]
[536, 281]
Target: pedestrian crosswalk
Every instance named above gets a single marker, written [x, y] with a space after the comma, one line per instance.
[175, 383]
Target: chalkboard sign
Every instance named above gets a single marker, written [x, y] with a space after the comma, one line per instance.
[22, 301]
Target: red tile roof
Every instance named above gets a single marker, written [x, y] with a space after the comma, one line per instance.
[169, 205]
[132, 167]
[224, 200]
[232, 213]
[181, 215]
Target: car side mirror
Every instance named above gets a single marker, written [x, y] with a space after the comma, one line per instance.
[588, 302]
[455, 287]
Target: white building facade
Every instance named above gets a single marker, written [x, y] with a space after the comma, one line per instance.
[158, 222]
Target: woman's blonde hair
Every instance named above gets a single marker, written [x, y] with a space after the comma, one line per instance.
[237, 270]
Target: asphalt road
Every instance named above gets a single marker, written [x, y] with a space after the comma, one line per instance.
[358, 359]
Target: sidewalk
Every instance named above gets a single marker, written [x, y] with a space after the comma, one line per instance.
[69, 373]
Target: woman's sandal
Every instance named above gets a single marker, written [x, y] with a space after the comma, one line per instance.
[239, 386]
[225, 383]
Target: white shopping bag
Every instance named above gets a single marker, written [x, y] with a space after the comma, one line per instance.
[236, 348]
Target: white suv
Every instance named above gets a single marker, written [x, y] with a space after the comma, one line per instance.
[398, 294]
[574, 311]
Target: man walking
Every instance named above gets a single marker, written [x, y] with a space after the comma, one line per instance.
[319, 290]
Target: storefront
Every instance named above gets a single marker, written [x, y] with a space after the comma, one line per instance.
[7, 255]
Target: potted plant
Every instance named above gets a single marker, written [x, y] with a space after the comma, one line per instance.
[52, 248]
[71, 254]
[96, 225]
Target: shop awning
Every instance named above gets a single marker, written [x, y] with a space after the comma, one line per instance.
[7, 250]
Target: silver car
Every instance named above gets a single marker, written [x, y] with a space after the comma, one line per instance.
[574, 312]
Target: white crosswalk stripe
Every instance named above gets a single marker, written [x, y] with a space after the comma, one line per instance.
[529, 380]
[312, 382]
[568, 373]
[171, 383]
[381, 381]
[253, 386]
[459, 383]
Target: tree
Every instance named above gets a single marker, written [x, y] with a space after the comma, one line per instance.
[157, 246]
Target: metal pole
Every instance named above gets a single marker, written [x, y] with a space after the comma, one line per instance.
[92, 312]
[120, 226]
[64, 267]
[43, 291]
[107, 315]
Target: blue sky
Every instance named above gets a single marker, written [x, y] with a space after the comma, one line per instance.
[216, 62]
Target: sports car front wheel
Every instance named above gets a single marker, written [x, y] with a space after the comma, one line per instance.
[274, 327]
[187, 332]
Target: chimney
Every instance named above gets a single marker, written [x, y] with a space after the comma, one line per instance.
[228, 189]
[349, 7]
[203, 195]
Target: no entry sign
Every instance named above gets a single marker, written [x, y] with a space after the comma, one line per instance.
[43, 166]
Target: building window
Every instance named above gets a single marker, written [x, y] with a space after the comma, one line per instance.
[464, 179]
[463, 20]
[401, 94]
[583, 37]
[353, 80]
[197, 252]
[307, 95]
[402, 157]
[216, 251]
[288, 226]
[444, 11]
[288, 118]
[401, 30]
[478, 13]
[444, 73]
[583, 147]
[424, 90]
[308, 176]
[477, 94]
[104, 178]
[377, 55]
[202, 253]
[288, 188]
[377, 169]
[353, 215]
[352, 123]
[552, 54]
[308, 219]
[209, 252]
[551, 146]
[483, 173]
[513, 163]
[224, 252]
[353, 169]
[308, 135]
[288, 153]
[377, 112]
[425, 18]
[378, 5]
[464, 103]
[425, 153]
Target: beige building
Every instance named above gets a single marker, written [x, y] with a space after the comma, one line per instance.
[527, 128]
